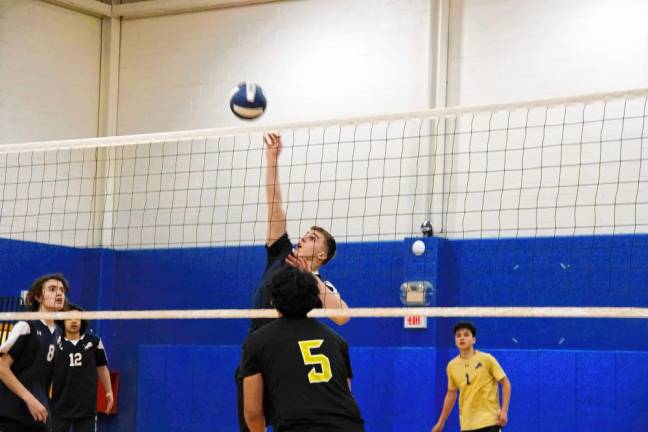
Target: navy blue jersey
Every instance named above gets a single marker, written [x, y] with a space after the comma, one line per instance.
[32, 346]
[74, 384]
[305, 366]
[276, 259]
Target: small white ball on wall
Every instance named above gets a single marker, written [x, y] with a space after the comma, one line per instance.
[418, 247]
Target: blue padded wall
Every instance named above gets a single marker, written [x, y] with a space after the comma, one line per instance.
[187, 388]
[583, 374]
[191, 388]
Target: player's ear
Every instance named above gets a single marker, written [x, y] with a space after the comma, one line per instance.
[321, 255]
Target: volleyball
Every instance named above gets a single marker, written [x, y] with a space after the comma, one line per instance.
[247, 101]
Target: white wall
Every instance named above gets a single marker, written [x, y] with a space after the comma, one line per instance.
[512, 50]
[49, 72]
[315, 60]
[49, 89]
[551, 171]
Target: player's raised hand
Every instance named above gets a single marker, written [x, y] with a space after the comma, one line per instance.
[299, 262]
[36, 409]
[273, 144]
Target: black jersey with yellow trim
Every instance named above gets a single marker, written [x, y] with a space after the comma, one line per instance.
[305, 366]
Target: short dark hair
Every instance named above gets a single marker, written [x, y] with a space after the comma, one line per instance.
[294, 292]
[331, 245]
[73, 307]
[36, 289]
[461, 325]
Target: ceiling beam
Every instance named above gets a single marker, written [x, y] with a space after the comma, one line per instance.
[144, 9]
[89, 7]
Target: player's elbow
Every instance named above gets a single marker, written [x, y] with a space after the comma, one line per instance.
[5, 371]
[254, 417]
[505, 383]
[341, 320]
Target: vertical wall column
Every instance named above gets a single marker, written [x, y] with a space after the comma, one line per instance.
[439, 35]
[109, 81]
[437, 98]
[108, 111]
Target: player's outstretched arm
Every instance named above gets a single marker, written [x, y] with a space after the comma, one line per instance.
[37, 410]
[276, 214]
[253, 402]
[448, 403]
[329, 299]
[502, 416]
[104, 377]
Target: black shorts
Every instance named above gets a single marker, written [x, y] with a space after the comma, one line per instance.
[78, 425]
[486, 429]
[11, 425]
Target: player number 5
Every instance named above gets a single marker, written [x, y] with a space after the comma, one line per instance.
[314, 376]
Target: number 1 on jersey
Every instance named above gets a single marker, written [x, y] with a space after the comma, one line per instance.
[315, 377]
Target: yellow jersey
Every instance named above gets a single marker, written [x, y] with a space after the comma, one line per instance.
[476, 379]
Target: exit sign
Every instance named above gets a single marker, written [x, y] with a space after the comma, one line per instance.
[414, 322]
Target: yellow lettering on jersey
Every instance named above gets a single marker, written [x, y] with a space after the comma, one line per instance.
[315, 377]
[5, 329]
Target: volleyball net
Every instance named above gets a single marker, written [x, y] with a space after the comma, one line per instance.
[534, 204]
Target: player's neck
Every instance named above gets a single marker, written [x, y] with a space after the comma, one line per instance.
[315, 264]
[467, 353]
[72, 336]
[44, 308]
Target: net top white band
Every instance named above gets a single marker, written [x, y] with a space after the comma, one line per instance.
[433, 312]
[230, 131]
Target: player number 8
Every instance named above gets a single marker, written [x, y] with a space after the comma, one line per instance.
[50, 353]
[314, 376]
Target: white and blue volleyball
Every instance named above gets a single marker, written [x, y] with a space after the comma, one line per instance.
[248, 101]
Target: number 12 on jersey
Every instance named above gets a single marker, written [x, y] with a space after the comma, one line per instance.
[314, 376]
[75, 359]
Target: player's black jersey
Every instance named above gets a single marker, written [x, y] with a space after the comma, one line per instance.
[276, 259]
[74, 384]
[32, 346]
[305, 366]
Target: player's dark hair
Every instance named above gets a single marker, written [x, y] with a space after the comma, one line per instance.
[73, 307]
[294, 292]
[331, 245]
[465, 325]
[36, 289]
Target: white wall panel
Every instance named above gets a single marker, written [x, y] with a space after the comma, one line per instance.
[49, 72]
[511, 50]
[315, 59]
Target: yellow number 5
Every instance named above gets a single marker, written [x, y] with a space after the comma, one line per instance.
[315, 377]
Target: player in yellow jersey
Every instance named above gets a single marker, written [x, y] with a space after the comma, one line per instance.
[475, 375]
